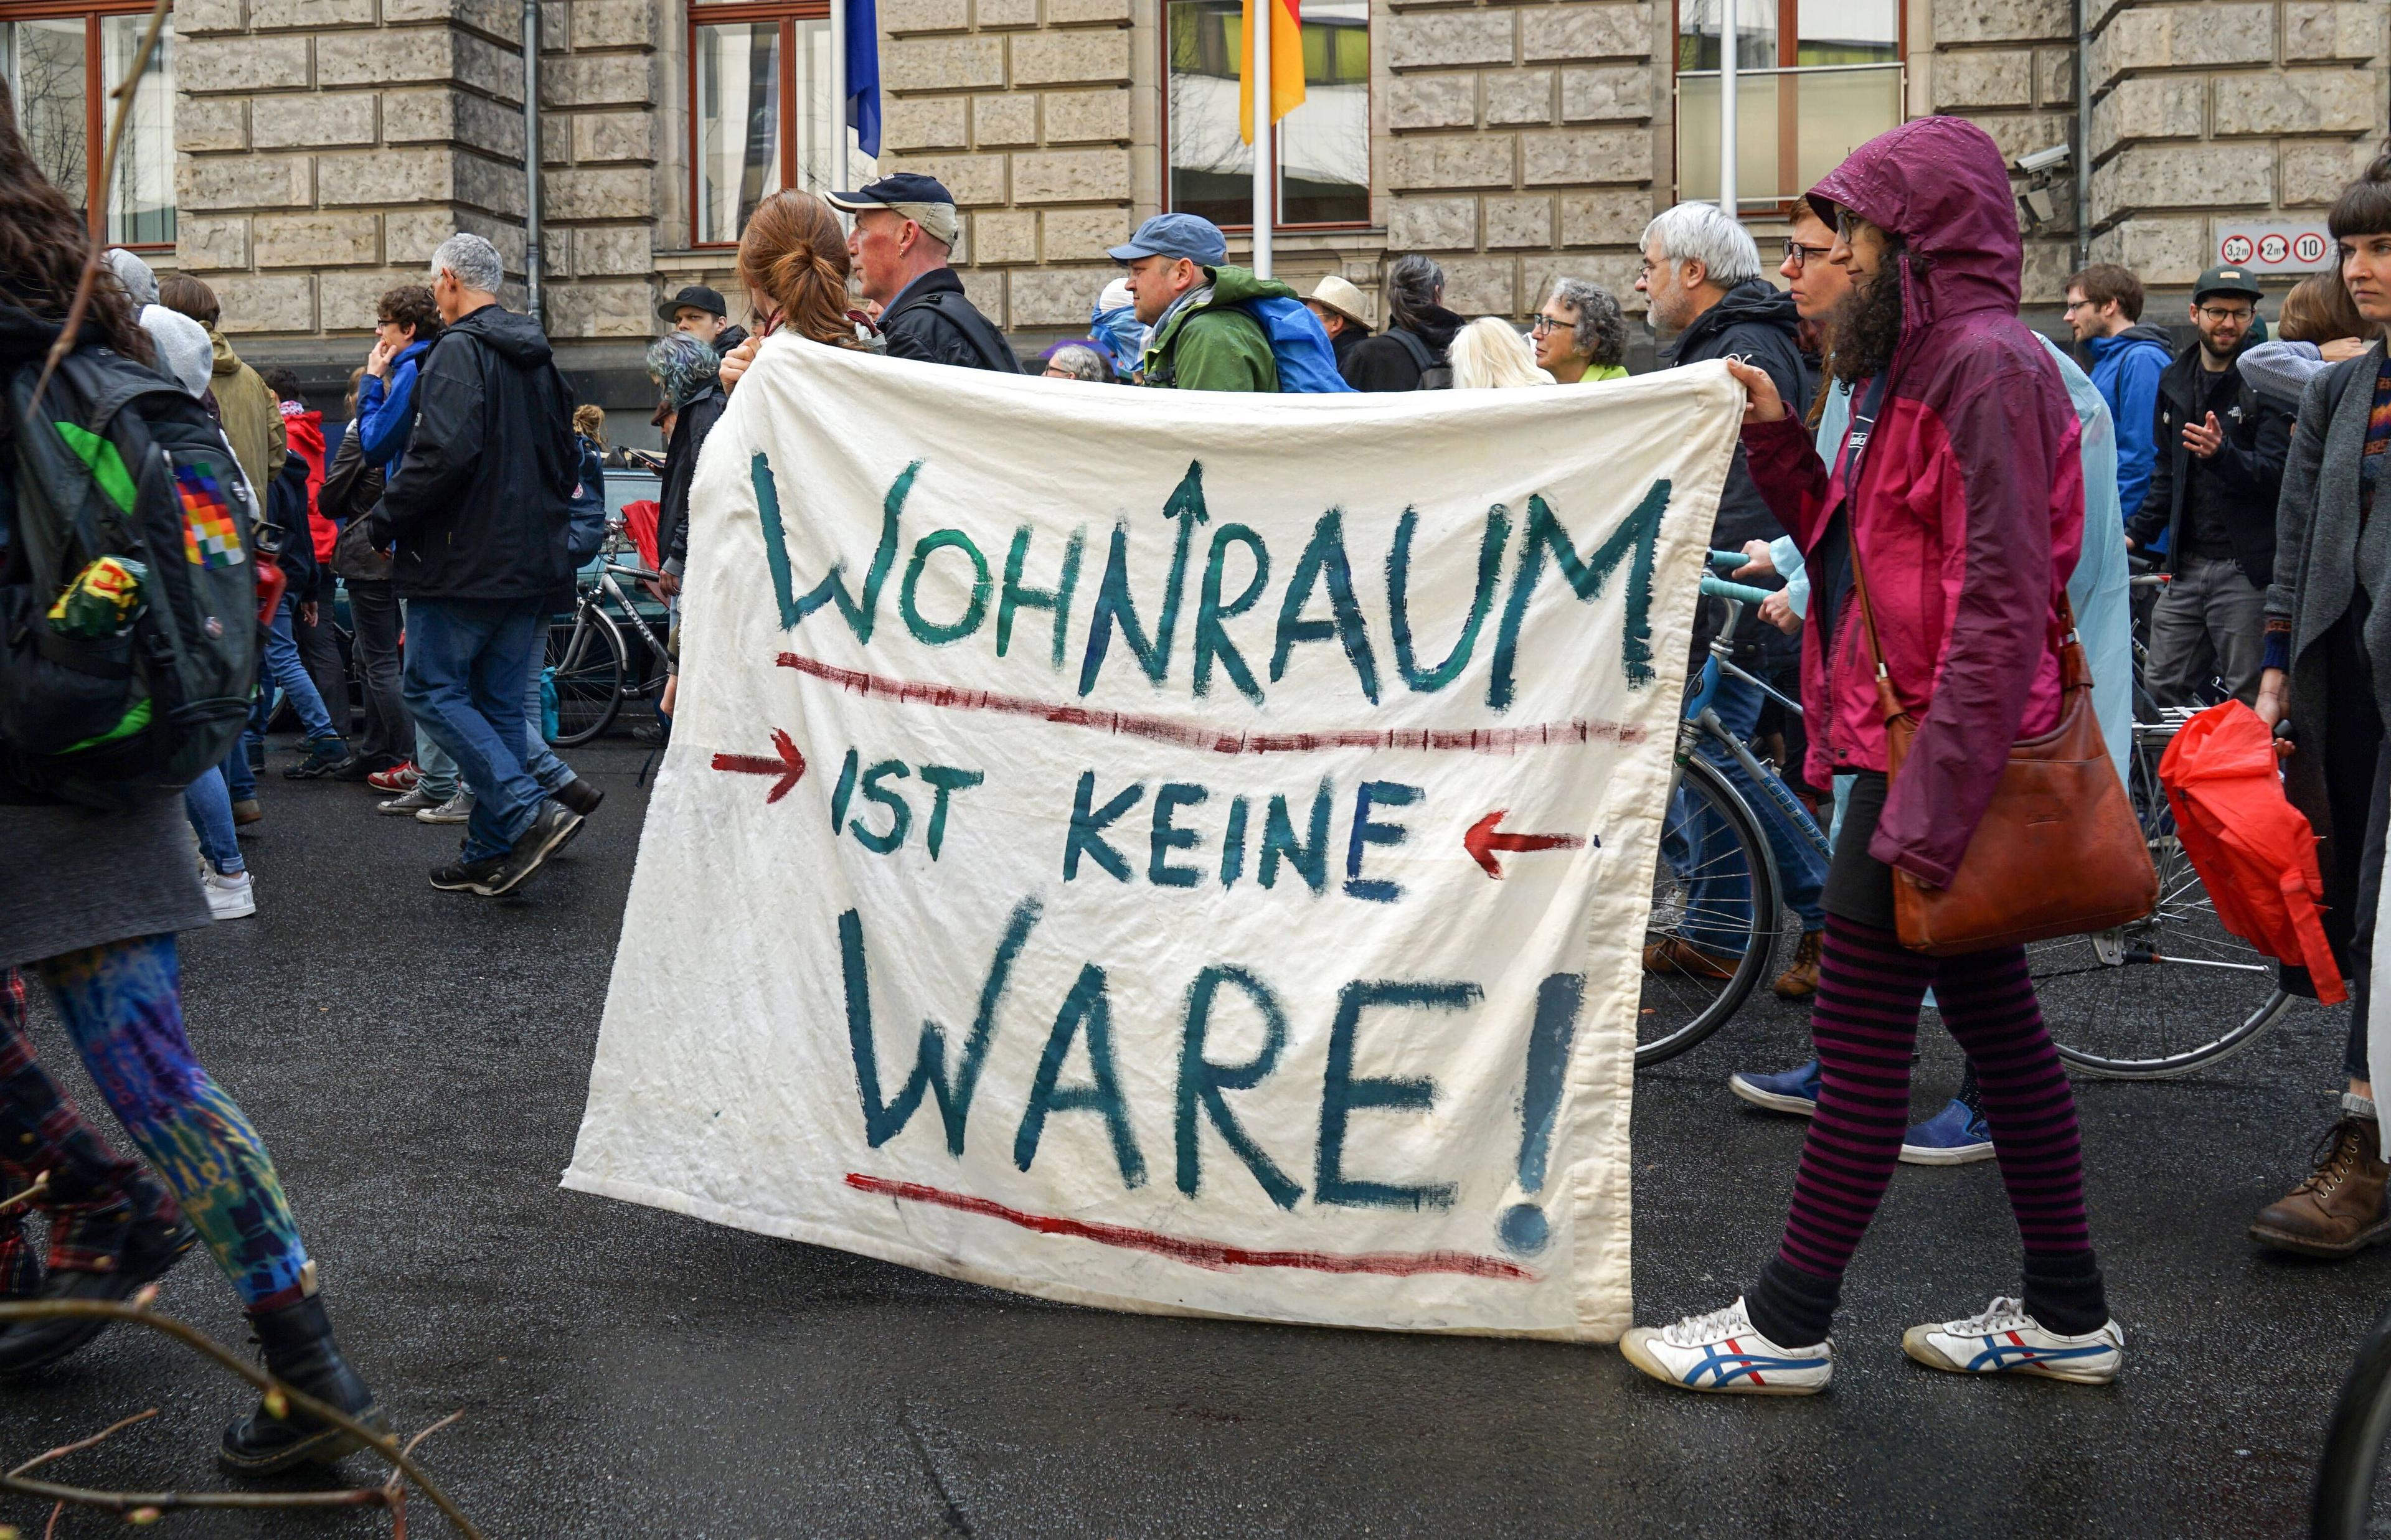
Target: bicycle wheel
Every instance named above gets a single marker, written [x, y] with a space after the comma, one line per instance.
[2344, 1505]
[1715, 885]
[586, 653]
[2166, 995]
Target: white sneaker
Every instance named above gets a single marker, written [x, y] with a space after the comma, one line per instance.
[1720, 1352]
[456, 810]
[233, 897]
[2005, 1339]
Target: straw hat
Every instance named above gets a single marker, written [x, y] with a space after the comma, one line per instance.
[1344, 299]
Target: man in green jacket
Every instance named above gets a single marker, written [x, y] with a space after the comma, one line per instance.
[1203, 339]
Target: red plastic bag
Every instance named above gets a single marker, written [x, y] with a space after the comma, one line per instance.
[639, 523]
[2255, 851]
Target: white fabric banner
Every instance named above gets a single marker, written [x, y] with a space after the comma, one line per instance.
[1173, 851]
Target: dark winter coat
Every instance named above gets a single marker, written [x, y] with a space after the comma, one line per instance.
[1755, 323]
[479, 512]
[350, 490]
[1382, 363]
[286, 509]
[933, 321]
[1970, 513]
[689, 430]
[2244, 477]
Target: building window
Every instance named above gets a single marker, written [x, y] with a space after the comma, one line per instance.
[60, 66]
[1324, 146]
[760, 114]
[1815, 80]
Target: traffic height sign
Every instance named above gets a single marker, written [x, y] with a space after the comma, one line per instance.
[2270, 249]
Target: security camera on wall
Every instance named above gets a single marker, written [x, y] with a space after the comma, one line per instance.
[2041, 161]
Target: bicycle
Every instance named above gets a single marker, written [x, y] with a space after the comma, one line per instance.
[1717, 882]
[2120, 1004]
[588, 660]
[2342, 1505]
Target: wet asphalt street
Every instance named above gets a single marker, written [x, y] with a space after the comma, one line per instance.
[417, 1061]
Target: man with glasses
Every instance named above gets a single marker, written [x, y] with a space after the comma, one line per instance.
[2211, 495]
[2104, 309]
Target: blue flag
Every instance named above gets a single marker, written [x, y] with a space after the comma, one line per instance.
[863, 73]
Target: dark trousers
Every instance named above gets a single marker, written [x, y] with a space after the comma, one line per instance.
[390, 728]
[319, 652]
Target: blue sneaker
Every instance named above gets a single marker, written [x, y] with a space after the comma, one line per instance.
[1954, 1136]
[1796, 1091]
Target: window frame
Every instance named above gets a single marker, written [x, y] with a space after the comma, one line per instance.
[715, 13]
[1278, 183]
[1789, 46]
[95, 94]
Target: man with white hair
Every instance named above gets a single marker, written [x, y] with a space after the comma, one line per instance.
[1701, 275]
[479, 514]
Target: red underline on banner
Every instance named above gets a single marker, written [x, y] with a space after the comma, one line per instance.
[1195, 735]
[1200, 1253]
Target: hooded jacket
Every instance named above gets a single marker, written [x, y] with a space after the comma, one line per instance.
[1970, 513]
[386, 408]
[304, 430]
[2125, 368]
[1382, 363]
[1756, 322]
[1210, 342]
[251, 412]
[2244, 477]
[932, 320]
[480, 509]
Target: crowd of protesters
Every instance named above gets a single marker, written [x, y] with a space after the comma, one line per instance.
[2006, 484]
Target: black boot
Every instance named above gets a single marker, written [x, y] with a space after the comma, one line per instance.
[300, 1351]
[107, 1254]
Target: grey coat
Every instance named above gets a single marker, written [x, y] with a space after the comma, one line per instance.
[72, 878]
[2325, 554]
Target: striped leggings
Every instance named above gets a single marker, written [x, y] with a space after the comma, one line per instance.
[1865, 1021]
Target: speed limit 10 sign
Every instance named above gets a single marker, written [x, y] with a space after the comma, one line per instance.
[2275, 248]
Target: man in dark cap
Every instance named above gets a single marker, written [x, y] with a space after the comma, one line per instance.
[905, 225]
[2219, 464]
[700, 311]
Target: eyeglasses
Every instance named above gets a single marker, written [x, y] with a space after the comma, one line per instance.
[1845, 222]
[2220, 314]
[1543, 324]
[1799, 256]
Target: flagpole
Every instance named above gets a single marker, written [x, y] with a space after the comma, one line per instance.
[1727, 104]
[1265, 164]
[837, 168]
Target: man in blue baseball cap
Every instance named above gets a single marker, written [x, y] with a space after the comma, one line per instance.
[905, 225]
[1203, 339]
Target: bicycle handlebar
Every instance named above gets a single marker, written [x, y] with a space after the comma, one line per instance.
[1728, 562]
[1720, 588]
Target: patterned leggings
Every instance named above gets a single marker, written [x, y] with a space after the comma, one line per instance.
[122, 1007]
[1864, 1022]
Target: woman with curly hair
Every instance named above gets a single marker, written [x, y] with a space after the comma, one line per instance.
[1581, 334]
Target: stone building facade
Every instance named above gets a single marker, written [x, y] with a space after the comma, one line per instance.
[325, 146]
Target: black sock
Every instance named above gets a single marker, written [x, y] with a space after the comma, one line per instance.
[1969, 1096]
[2063, 1291]
[1790, 1307]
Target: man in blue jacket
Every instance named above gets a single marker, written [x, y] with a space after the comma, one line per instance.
[2104, 307]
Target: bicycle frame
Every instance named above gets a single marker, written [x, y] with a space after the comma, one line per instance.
[1699, 718]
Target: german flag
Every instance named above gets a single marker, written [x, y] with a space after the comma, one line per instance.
[1286, 64]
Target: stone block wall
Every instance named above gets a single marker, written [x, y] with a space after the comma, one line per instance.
[2008, 66]
[1023, 108]
[602, 147]
[325, 147]
[2227, 110]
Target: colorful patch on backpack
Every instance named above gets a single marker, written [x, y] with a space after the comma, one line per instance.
[209, 536]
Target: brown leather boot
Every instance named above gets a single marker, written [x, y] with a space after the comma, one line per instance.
[1801, 980]
[2338, 1210]
[1676, 954]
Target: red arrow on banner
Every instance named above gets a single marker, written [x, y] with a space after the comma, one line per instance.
[789, 766]
[1483, 841]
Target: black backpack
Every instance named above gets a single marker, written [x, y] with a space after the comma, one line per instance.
[1436, 369]
[119, 461]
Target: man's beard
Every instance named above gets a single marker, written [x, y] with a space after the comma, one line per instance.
[1866, 324]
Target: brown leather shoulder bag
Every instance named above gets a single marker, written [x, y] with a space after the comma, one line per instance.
[2058, 852]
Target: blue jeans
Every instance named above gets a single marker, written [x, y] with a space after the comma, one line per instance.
[435, 772]
[289, 671]
[1726, 897]
[466, 661]
[240, 779]
[208, 804]
[538, 758]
